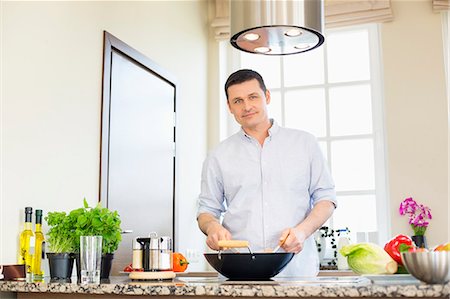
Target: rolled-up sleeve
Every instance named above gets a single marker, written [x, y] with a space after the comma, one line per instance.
[211, 198]
[321, 184]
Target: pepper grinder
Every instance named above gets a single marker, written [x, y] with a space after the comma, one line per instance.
[145, 242]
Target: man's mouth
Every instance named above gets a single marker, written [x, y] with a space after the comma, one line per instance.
[248, 114]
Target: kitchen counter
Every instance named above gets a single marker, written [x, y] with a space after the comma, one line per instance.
[394, 286]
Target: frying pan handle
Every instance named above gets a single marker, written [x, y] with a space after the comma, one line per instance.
[233, 244]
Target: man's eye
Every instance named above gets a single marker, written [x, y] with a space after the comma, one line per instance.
[237, 101]
[253, 97]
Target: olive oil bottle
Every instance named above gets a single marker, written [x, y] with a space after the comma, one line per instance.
[26, 238]
[39, 248]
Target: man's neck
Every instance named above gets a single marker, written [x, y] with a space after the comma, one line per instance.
[259, 132]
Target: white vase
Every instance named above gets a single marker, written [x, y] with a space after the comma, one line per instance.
[321, 244]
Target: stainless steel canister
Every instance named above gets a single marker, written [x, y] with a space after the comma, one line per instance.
[165, 253]
[137, 254]
[154, 253]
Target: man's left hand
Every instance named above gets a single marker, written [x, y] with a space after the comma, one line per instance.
[294, 241]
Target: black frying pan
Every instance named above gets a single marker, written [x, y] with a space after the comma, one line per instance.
[248, 266]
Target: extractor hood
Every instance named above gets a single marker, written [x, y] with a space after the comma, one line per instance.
[276, 27]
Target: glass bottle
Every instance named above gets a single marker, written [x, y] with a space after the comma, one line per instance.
[344, 240]
[39, 248]
[26, 238]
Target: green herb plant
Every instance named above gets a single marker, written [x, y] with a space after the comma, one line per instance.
[97, 221]
[60, 236]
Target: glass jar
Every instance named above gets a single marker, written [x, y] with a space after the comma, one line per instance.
[165, 253]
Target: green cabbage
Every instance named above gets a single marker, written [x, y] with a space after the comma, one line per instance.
[368, 258]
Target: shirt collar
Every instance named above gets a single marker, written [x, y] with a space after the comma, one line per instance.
[273, 130]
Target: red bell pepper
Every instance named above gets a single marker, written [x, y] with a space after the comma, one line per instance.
[394, 247]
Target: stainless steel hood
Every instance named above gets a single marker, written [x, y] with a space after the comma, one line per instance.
[276, 27]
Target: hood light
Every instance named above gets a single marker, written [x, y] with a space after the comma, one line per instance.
[293, 32]
[302, 46]
[251, 36]
[262, 50]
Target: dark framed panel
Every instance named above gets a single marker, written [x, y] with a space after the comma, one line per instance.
[137, 171]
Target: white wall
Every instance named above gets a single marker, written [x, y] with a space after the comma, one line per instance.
[416, 115]
[51, 102]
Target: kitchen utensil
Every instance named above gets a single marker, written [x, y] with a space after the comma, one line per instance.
[233, 244]
[431, 267]
[247, 266]
[150, 252]
[280, 244]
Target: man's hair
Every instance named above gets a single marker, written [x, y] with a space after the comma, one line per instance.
[242, 76]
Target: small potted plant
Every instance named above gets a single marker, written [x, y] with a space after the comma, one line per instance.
[98, 221]
[418, 215]
[61, 240]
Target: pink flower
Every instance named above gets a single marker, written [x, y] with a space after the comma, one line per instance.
[418, 215]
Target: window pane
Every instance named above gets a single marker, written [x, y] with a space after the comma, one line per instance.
[323, 148]
[350, 110]
[357, 212]
[305, 110]
[304, 69]
[348, 56]
[352, 164]
[267, 66]
[274, 107]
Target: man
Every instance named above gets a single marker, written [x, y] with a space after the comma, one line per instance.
[269, 183]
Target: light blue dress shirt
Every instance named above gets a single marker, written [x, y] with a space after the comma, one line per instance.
[262, 190]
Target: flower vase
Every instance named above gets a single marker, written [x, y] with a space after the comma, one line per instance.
[420, 241]
[321, 244]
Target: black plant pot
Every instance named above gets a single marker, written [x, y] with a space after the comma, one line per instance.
[105, 266]
[61, 266]
[420, 241]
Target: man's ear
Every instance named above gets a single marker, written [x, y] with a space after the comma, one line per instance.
[229, 108]
[267, 97]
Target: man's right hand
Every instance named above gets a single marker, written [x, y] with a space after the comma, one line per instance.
[214, 231]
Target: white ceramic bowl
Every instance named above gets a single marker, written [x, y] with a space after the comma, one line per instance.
[431, 267]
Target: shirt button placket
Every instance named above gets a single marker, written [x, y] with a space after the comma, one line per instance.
[264, 188]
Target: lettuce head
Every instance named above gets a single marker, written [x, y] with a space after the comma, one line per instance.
[368, 258]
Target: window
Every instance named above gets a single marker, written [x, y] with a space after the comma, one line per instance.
[334, 93]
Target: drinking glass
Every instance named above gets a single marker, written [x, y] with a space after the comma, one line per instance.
[90, 258]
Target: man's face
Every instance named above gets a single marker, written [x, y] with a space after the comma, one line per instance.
[248, 103]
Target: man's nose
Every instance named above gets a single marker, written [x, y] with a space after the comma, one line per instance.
[247, 106]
